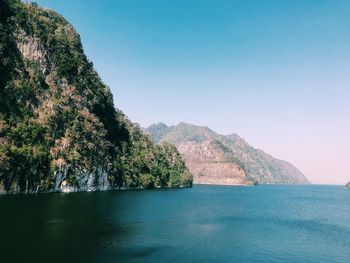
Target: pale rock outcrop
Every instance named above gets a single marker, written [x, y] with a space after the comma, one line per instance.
[209, 164]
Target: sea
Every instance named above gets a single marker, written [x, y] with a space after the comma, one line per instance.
[264, 223]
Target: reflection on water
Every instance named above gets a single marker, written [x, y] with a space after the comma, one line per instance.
[205, 223]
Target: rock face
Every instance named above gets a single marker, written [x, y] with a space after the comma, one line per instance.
[347, 185]
[59, 129]
[211, 164]
[219, 159]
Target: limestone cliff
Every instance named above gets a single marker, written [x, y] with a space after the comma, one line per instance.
[59, 129]
[211, 164]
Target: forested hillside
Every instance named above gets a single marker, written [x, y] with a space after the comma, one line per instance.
[59, 129]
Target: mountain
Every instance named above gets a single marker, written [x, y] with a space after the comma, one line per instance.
[348, 185]
[59, 129]
[220, 159]
[211, 162]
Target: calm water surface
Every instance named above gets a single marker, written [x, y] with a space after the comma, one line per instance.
[202, 224]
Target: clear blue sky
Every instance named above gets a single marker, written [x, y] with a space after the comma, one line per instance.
[275, 72]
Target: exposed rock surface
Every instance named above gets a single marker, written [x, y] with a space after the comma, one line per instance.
[224, 159]
[210, 164]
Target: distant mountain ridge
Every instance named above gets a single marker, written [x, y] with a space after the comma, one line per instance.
[224, 159]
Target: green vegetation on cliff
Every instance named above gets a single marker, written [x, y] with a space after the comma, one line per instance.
[59, 129]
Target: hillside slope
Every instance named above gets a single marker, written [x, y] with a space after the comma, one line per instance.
[211, 163]
[256, 164]
[59, 129]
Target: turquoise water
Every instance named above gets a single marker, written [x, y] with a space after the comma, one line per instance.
[202, 224]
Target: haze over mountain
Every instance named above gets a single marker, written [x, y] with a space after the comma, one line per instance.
[220, 159]
[59, 130]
